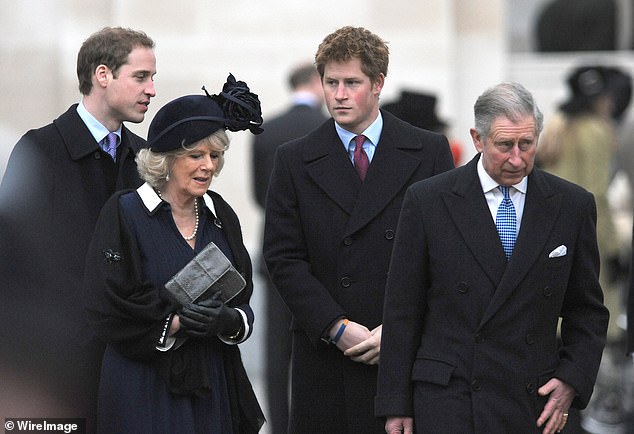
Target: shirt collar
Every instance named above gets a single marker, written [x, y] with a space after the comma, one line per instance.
[151, 200]
[303, 97]
[98, 131]
[373, 132]
[489, 183]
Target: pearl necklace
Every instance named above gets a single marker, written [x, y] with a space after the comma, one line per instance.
[193, 235]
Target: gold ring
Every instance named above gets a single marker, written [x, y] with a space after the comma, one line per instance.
[565, 414]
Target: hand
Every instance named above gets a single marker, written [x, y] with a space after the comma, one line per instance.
[398, 425]
[353, 334]
[210, 317]
[369, 350]
[556, 408]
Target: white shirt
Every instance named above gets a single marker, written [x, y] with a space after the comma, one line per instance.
[494, 196]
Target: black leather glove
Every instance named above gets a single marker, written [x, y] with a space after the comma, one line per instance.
[209, 318]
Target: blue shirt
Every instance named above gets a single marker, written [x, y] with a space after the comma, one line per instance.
[98, 131]
[372, 134]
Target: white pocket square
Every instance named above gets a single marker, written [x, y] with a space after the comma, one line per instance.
[558, 252]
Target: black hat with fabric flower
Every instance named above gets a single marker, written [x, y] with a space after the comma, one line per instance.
[190, 118]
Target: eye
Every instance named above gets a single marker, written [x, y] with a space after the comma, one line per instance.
[505, 145]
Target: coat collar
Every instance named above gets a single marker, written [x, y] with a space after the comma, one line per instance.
[80, 142]
[151, 200]
[328, 164]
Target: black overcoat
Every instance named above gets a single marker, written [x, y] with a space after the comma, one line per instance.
[327, 244]
[56, 182]
[469, 339]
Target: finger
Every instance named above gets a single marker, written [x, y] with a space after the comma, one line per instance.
[193, 317]
[192, 324]
[564, 421]
[548, 412]
[548, 388]
[356, 350]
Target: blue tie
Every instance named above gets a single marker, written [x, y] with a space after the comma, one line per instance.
[109, 144]
[506, 222]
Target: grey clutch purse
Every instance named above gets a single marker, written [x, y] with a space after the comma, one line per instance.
[209, 274]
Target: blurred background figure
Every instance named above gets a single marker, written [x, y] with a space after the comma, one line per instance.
[304, 114]
[579, 143]
[419, 109]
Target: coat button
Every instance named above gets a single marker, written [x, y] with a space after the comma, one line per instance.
[463, 288]
[547, 291]
[475, 385]
[479, 338]
[97, 155]
[346, 282]
[530, 339]
[530, 388]
[347, 241]
[389, 234]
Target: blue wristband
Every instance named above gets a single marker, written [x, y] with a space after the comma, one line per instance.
[339, 332]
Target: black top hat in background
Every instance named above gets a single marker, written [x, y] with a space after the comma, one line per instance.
[191, 118]
[418, 109]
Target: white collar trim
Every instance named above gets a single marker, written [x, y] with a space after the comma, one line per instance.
[151, 200]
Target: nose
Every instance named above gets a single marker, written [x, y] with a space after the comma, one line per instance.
[208, 163]
[150, 90]
[515, 156]
[340, 92]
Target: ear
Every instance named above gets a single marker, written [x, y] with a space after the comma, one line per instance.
[477, 140]
[378, 84]
[102, 75]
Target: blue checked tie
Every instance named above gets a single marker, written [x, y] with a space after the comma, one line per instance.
[109, 145]
[506, 222]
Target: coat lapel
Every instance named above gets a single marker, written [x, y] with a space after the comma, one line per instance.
[541, 208]
[76, 136]
[391, 170]
[330, 168]
[470, 213]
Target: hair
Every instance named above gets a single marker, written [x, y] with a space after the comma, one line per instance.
[110, 46]
[510, 100]
[154, 167]
[301, 75]
[354, 42]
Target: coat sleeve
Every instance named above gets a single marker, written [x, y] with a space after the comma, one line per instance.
[584, 318]
[123, 310]
[287, 256]
[233, 232]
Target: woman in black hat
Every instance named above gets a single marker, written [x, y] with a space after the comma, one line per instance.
[173, 366]
[579, 144]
